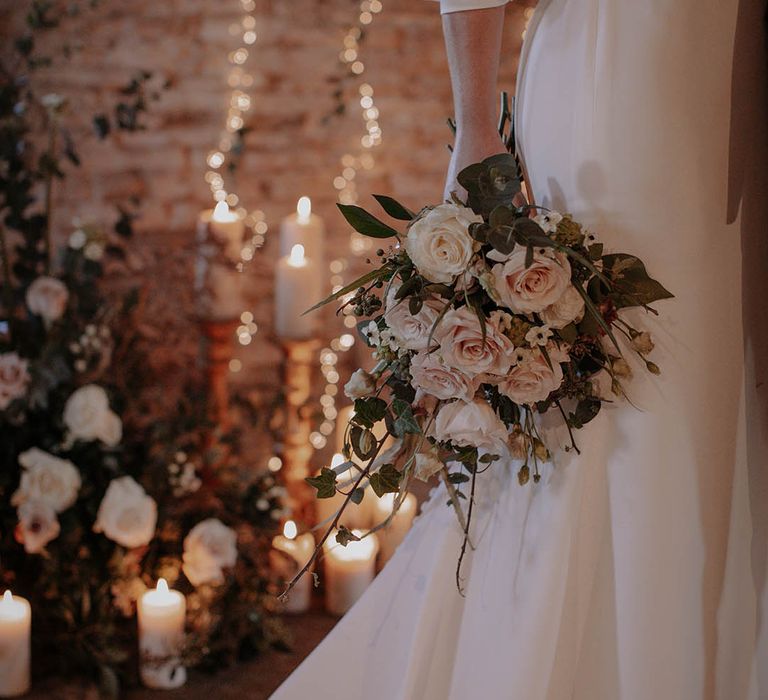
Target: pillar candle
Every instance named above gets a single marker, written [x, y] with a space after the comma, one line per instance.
[303, 228]
[298, 550]
[15, 624]
[348, 571]
[162, 613]
[356, 515]
[298, 286]
[227, 228]
[391, 536]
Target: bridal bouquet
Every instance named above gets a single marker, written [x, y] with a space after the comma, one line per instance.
[482, 316]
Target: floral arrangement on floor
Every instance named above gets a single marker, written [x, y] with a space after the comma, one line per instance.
[483, 316]
[96, 501]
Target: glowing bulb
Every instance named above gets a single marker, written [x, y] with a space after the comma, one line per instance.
[304, 209]
[296, 258]
[289, 530]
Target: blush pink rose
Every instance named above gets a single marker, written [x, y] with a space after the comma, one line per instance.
[435, 378]
[567, 309]
[463, 347]
[411, 330]
[14, 378]
[533, 379]
[527, 290]
[472, 424]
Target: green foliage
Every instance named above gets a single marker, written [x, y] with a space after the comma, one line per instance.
[386, 480]
[631, 284]
[366, 223]
[325, 483]
[394, 208]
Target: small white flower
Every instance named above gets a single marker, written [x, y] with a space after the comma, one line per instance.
[590, 239]
[77, 239]
[371, 332]
[548, 220]
[521, 355]
[501, 319]
[538, 335]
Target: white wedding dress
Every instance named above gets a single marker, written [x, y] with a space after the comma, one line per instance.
[635, 571]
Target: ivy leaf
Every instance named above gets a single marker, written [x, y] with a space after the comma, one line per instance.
[363, 442]
[405, 422]
[369, 410]
[386, 480]
[569, 333]
[366, 223]
[357, 496]
[632, 286]
[595, 251]
[344, 536]
[325, 483]
[586, 410]
[394, 208]
[457, 478]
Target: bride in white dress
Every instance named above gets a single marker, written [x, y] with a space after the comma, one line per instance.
[630, 572]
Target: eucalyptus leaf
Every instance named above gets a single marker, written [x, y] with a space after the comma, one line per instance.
[394, 208]
[366, 223]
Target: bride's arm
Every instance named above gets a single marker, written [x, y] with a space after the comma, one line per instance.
[473, 44]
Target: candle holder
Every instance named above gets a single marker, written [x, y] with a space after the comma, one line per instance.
[297, 451]
[219, 335]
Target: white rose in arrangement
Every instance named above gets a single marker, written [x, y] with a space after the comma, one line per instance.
[88, 417]
[209, 548]
[533, 379]
[426, 465]
[527, 290]
[14, 377]
[470, 425]
[463, 347]
[569, 308]
[411, 330]
[127, 514]
[47, 479]
[439, 242]
[47, 297]
[360, 384]
[434, 377]
[37, 526]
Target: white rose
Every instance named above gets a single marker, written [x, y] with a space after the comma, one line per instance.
[37, 526]
[209, 548]
[411, 330]
[439, 242]
[127, 514]
[360, 384]
[14, 377]
[47, 297]
[434, 377]
[533, 379]
[471, 425]
[426, 465]
[527, 290]
[47, 479]
[569, 308]
[88, 417]
[463, 346]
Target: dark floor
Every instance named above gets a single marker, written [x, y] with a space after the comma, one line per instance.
[255, 680]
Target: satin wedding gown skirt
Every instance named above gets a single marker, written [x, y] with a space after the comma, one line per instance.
[631, 571]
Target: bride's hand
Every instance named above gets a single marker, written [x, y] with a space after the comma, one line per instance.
[470, 147]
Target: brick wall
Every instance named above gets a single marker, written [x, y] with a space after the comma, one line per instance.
[290, 150]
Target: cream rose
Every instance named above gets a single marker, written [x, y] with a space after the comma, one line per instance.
[439, 242]
[463, 347]
[47, 297]
[209, 548]
[411, 330]
[426, 465]
[14, 378]
[470, 425]
[88, 417]
[532, 289]
[533, 379]
[127, 514]
[569, 308]
[47, 479]
[37, 526]
[360, 384]
[434, 377]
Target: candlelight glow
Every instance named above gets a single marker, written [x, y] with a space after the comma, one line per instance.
[162, 586]
[358, 550]
[221, 213]
[11, 608]
[296, 258]
[304, 209]
[290, 530]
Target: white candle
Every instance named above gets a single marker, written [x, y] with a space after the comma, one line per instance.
[348, 571]
[15, 625]
[227, 228]
[161, 637]
[303, 228]
[356, 515]
[298, 286]
[297, 551]
[391, 536]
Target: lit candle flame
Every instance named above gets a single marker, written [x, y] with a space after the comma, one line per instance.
[7, 598]
[162, 586]
[290, 530]
[304, 209]
[221, 211]
[296, 258]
